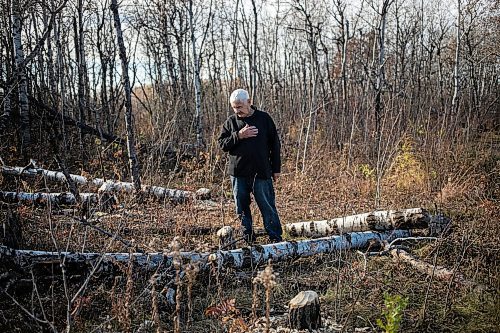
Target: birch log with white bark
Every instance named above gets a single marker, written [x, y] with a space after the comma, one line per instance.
[108, 185]
[378, 221]
[145, 261]
[44, 198]
[260, 254]
[56, 176]
[150, 190]
[238, 258]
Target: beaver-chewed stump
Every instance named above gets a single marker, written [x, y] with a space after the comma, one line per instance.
[304, 311]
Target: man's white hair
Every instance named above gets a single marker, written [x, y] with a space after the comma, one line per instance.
[239, 95]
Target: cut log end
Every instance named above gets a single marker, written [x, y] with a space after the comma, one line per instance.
[203, 194]
[304, 311]
[225, 235]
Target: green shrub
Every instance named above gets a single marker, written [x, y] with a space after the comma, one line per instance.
[393, 313]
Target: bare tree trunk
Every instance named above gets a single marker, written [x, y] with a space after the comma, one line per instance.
[379, 86]
[168, 53]
[80, 62]
[6, 69]
[24, 111]
[304, 311]
[5, 117]
[456, 69]
[253, 57]
[129, 123]
[197, 82]
[106, 185]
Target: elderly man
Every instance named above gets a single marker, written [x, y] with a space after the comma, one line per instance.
[251, 139]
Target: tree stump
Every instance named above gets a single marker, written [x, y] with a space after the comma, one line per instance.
[304, 311]
[225, 235]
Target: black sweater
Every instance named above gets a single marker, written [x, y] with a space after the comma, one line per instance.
[258, 156]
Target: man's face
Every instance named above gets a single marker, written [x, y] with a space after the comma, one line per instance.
[241, 108]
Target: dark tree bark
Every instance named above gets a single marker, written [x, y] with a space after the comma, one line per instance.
[129, 123]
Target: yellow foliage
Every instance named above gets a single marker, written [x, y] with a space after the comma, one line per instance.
[368, 172]
[406, 171]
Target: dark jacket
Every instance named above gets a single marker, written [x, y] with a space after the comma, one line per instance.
[258, 156]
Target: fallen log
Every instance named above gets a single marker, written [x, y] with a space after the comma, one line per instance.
[238, 258]
[150, 190]
[56, 176]
[108, 186]
[44, 198]
[376, 221]
[260, 254]
[79, 261]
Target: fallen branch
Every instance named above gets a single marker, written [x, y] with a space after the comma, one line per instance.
[238, 258]
[107, 233]
[440, 272]
[376, 221]
[54, 115]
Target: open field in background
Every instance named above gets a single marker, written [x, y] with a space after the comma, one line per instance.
[464, 184]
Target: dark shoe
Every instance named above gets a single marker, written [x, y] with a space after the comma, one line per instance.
[249, 238]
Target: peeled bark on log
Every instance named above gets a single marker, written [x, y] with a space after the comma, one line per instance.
[238, 258]
[108, 186]
[43, 198]
[304, 311]
[377, 221]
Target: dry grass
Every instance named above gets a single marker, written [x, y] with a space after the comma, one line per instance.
[463, 184]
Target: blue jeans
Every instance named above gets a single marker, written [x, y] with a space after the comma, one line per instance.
[263, 192]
